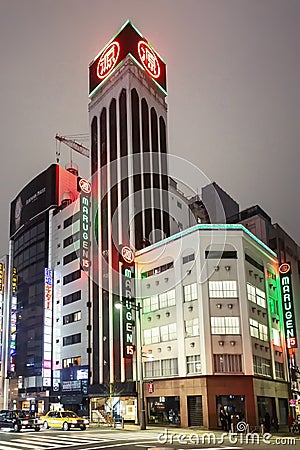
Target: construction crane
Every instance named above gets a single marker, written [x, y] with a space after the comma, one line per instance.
[74, 145]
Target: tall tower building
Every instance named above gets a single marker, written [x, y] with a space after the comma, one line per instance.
[128, 120]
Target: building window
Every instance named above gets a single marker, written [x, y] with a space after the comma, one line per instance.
[179, 205]
[256, 295]
[69, 362]
[70, 318]
[169, 367]
[225, 325]
[160, 301]
[72, 339]
[164, 367]
[151, 336]
[167, 299]
[168, 332]
[192, 327]
[188, 258]
[254, 328]
[279, 370]
[223, 289]
[276, 337]
[193, 364]
[71, 220]
[258, 330]
[157, 270]
[71, 239]
[228, 363]
[261, 366]
[72, 277]
[69, 258]
[213, 254]
[71, 298]
[152, 369]
[190, 292]
[150, 304]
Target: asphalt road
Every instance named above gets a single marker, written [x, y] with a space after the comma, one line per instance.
[135, 439]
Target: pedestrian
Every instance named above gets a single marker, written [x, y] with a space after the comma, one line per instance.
[290, 422]
[223, 419]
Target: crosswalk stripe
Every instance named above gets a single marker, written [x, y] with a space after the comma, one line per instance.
[4, 447]
[27, 443]
[20, 445]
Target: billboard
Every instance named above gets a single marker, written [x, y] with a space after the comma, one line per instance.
[128, 41]
[36, 197]
[288, 305]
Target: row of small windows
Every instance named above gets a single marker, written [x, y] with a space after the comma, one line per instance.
[157, 270]
[72, 339]
[256, 295]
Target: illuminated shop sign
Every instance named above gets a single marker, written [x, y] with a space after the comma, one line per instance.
[128, 41]
[287, 304]
[1, 277]
[128, 300]
[127, 255]
[48, 307]
[85, 191]
[13, 333]
[14, 281]
[108, 60]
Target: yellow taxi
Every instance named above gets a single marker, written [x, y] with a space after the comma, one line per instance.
[64, 419]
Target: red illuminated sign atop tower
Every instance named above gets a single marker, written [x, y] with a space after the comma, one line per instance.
[127, 42]
[108, 60]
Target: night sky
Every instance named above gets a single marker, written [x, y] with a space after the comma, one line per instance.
[233, 70]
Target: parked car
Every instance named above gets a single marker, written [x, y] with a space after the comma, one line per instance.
[10, 420]
[29, 420]
[64, 420]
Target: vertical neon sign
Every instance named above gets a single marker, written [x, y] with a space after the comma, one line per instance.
[48, 307]
[287, 304]
[13, 320]
[85, 191]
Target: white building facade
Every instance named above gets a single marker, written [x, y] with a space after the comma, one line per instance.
[212, 324]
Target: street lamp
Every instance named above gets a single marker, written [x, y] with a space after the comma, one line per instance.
[142, 413]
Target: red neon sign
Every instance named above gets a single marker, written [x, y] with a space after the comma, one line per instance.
[85, 186]
[149, 59]
[127, 254]
[284, 268]
[108, 60]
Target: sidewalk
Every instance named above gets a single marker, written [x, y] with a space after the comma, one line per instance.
[130, 427]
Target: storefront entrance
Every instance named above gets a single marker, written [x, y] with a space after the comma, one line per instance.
[164, 410]
[234, 408]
